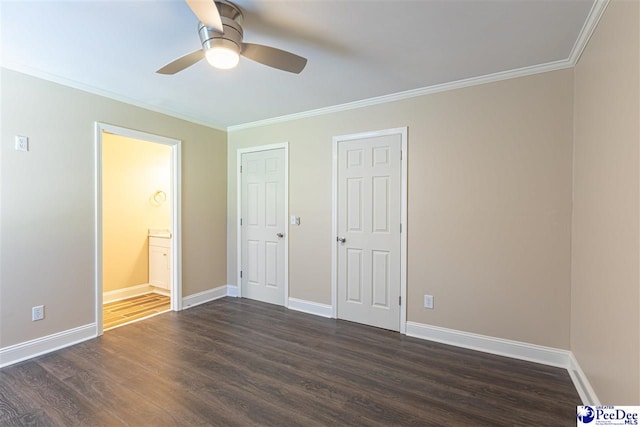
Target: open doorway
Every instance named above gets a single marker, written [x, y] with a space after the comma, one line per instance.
[137, 226]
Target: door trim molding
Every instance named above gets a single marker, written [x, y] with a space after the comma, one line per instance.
[402, 131]
[239, 153]
[176, 213]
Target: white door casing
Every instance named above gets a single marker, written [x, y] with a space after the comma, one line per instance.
[369, 217]
[263, 226]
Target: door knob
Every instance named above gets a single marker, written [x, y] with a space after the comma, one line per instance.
[341, 239]
[280, 235]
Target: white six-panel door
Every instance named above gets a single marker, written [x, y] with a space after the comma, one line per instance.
[263, 226]
[369, 172]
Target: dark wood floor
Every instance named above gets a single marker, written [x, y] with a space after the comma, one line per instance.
[240, 362]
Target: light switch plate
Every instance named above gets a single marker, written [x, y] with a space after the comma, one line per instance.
[428, 301]
[22, 143]
[37, 312]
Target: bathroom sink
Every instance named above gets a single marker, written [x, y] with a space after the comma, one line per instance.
[160, 232]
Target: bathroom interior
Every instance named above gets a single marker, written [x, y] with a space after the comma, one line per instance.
[136, 235]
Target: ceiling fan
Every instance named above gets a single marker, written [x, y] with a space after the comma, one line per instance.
[220, 31]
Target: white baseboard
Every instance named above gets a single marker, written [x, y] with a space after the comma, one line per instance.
[580, 381]
[509, 348]
[160, 291]
[39, 346]
[131, 291]
[503, 347]
[204, 296]
[311, 307]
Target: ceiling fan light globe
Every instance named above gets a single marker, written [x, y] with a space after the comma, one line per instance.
[222, 57]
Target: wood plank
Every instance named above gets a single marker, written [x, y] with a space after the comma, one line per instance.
[140, 299]
[122, 312]
[56, 404]
[240, 362]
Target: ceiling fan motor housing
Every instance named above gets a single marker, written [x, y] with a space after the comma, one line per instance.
[231, 17]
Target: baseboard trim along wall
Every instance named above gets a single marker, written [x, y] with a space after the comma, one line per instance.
[39, 346]
[310, 307]
[503, 347]
[204, 296]
[514, 349]
[582, 384]
[499, 346]
[131, 291]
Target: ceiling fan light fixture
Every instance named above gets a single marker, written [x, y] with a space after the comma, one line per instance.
[223, 45]
[223, 55]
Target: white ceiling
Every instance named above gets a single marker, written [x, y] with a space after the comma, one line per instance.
[357, 49]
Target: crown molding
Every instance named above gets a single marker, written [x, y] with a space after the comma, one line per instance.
[104, 93]
[589, 26]
[473, 81]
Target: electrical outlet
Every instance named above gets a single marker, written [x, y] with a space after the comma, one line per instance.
[37, 313]
[22, 143]
[428, 301]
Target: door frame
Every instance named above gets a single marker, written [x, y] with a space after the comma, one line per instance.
[176, 214]
[240, 152]
[402, 131]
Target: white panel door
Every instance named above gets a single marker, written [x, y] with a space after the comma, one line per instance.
[263, 225]
[369, 218]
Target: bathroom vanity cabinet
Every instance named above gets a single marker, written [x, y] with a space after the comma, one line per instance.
[160, 262]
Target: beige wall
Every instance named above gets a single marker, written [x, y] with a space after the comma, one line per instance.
[47, 198]
[605, 290]
[132, 172]
[489, 204]
[491, 231]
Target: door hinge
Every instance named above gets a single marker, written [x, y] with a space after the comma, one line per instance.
[240, 169]
[241, 274]
[401, 227]
[400, 154]
[240, 221]
[400, 300]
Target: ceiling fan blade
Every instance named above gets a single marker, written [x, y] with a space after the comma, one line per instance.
[273, 57]
[181, 63]
[207, 12]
